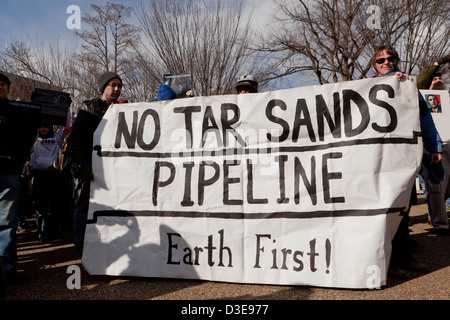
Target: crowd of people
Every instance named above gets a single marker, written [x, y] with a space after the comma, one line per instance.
[54, 193]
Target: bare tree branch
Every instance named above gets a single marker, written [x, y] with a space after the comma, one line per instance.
[331, 38]
[208, 39]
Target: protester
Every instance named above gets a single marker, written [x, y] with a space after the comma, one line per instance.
[436, 190]
[165, 92]
[385, 63]
[430, 78]
[437, 83]
[246, 84]
[81, 140]
[17, 135]
[48, 184]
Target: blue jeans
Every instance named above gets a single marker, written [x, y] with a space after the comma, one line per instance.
[9, 218]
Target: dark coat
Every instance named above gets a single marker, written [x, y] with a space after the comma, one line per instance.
[18, 131]
[82, 134]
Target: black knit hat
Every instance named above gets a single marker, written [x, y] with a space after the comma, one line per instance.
[5, 79]
[105, 78]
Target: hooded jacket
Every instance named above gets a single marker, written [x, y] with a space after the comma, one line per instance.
[45, 150]
[165, 92]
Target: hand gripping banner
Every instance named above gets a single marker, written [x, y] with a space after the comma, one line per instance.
[303, 186]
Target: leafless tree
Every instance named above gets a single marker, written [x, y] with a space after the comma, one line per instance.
[207, 39]
[334, 41]
[47, 63]
[107, 43]
[106, 46]
[108, 36]
[141, 82]
[50, 64]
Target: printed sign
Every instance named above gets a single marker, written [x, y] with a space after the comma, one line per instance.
[439, 105]
[302, 186]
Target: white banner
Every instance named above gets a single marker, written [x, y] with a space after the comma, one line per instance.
[438, 103]
[302, 186]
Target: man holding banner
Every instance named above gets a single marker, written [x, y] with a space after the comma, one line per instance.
[81, 142]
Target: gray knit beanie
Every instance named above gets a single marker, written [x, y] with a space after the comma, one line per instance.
[105, 78]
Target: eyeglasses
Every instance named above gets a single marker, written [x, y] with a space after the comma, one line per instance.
[382, 60]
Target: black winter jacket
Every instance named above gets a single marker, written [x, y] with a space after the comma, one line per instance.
[82, 133]
[18, 131]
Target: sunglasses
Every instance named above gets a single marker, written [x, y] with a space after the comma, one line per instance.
[382, 60]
